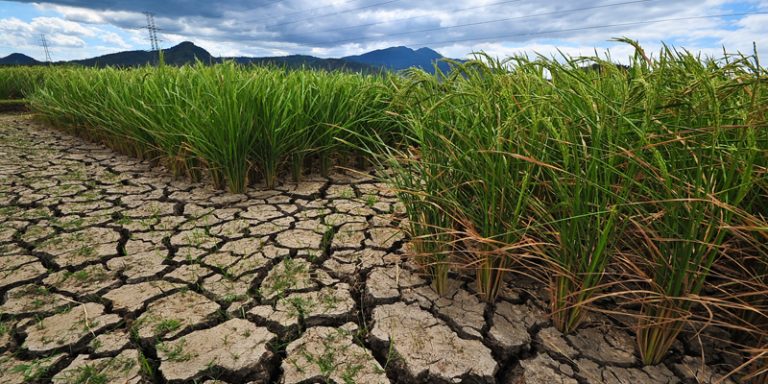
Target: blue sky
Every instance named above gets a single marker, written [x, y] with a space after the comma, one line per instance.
[70, 39]
[334, 28]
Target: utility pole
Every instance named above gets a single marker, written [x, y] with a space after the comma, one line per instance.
[44, 42]
[152, 29]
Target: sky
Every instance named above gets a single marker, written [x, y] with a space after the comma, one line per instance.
[77, 29]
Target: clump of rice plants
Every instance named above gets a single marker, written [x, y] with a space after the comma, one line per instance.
[743, 281]
[229, 122]
[574, 162]
[698, 165]
[429, 224]
[17, 82]
[474, 171]
[586, 186]
[88, 102]
[500, 155]
[417, 177]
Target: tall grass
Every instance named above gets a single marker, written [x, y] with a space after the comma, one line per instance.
[456, 182]
[17, 82]
[573, 162]
[231, 123]
[586, 190]
[748, 284]
[699, 152]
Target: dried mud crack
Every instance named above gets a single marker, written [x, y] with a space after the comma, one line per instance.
[111, 271]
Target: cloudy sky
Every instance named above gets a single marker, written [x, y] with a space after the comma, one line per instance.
[334, 28]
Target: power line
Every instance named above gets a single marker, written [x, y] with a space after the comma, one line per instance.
[489, 21]
[272, 2]
[312, 9]
[44, 43]
[589, 28]
[332, 13]
[420, 16]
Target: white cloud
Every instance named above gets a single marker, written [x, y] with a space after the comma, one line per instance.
[328, 28]
[114, 39]
[65, 41]
[65, 38]
[58, 25]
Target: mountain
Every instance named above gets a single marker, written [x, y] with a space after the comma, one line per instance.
[184, 53]
[399, 58]
[304, 61]
[395, 58]
[18, 59]
[188, 53]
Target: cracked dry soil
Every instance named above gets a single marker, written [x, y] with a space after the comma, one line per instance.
[111, 271]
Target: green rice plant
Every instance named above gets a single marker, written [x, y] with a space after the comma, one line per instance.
[429, 225]
[394, 141]
[307, 102]
[373, 110]
[224, 137]
[276, 109]
[697, 160]
[340, 105]
[478, 156]
[163, 117]
[496, 178]
[587, 182]
[336, 112]
[225, 120]
[18, 82]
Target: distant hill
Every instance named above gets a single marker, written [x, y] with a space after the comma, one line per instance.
[399, 58]
[18, 59]
[395, 58]
[304, 61]
[181, 54]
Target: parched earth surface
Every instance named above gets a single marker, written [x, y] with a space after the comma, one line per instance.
[113, 272]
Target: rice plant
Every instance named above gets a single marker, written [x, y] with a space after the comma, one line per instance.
[588, 183]
[744, 281]
[225, 121]
[475, 166]
[17, 82]
[429, 225]
[698, 159]
[517, 157]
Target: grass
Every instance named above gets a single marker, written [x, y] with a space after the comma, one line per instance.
[33, 370]
[236, 125]
[602, 180]
[167, 325]
[88, 374]
[285, 278]
[17, 82]
[334, 361]
[175, 353]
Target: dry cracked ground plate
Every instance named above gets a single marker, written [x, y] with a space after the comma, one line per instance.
[111, 271]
